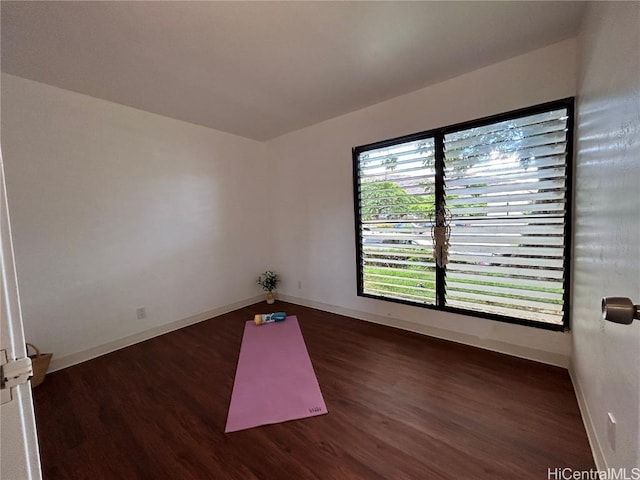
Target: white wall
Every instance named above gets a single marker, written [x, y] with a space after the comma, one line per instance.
[115, 208]
[313, 212]
[606, 356]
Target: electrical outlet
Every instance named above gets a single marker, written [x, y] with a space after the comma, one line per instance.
[299, 284]
[141, 313]
[611, 430]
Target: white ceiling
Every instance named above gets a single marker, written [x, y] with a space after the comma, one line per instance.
[262, 69]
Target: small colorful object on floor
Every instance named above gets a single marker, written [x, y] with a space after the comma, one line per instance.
[269, 318]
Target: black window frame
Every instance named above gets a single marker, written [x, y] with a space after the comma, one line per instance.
[438, 135]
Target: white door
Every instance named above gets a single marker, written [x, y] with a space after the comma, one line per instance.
[19, 456]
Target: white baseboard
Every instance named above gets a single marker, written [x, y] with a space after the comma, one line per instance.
[587, 419]
[487, 344]
[83, 356]
[541, 356]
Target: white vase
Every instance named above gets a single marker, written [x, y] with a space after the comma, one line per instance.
[271, 298]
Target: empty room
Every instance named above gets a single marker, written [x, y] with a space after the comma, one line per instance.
[323, 240]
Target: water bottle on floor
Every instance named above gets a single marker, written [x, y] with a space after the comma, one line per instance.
[269, 318]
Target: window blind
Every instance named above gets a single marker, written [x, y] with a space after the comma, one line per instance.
[396, 201]
[506, 186]
[498, 189]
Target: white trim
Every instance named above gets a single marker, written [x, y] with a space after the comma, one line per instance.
[587, 420]
[541, 356]
[83, 356]
[20, 451]
[487, 344]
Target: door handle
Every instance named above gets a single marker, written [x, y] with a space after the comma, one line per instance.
[620, 310]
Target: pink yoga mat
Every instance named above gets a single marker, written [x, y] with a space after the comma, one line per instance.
[275, 381]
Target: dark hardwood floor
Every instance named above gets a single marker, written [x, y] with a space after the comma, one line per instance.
[401, 406]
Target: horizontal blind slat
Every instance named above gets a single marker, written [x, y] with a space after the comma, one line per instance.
[537, 251]
[511, 220]
[509, 124]
[460, 239]
[379, 261]
[537, 316]
[535, 209]
[472, 168]
[495, 201]
[524, 145]
[528, 152]
[535, 229]
[529, 283]
[427, 178]
[506, 301]
[496, 261]
[540, 274]
[554, 125]
[479, 178]
[491, 289]
[500, 187]
[401, 296]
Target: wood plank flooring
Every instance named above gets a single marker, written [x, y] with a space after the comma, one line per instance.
[401, 406]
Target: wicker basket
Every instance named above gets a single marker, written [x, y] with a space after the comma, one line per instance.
[40, 363]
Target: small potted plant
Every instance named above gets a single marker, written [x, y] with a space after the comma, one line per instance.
[269, 281]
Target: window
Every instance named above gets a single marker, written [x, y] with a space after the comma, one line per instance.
[491, 197]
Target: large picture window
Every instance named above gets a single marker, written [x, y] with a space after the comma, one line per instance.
[472, 218]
